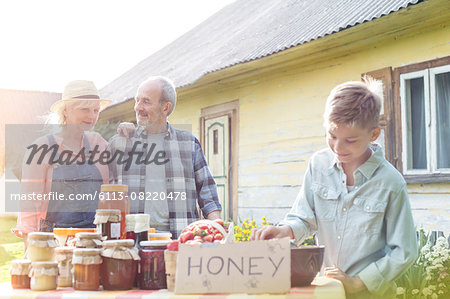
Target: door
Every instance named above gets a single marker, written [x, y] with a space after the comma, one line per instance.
[217, 150]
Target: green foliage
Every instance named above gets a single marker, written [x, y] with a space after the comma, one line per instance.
[429, 276]
[107, 130]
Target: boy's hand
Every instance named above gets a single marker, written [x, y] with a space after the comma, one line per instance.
[351, 284]
[126, 129]
[269, 232]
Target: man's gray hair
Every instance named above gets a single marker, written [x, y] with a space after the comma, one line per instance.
[168, 91]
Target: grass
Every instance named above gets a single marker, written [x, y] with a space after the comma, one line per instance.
[11, 247]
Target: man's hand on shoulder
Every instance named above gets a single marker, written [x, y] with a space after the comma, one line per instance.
[126, 129]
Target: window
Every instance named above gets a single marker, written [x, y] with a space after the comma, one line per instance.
[425, 115]
[415, 119]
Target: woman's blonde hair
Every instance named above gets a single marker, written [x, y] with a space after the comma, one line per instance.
[354, 103]
[58, 116]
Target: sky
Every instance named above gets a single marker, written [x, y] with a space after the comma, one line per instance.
[46, 43]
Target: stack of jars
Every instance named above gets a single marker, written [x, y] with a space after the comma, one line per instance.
[41, 252]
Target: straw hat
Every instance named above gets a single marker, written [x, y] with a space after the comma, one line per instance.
[80, 90]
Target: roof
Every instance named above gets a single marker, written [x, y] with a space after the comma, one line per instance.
[247, 30]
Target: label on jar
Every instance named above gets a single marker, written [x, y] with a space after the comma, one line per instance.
[64, 269]
[115, 230]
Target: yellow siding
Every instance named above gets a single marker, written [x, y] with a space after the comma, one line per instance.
[281, 111]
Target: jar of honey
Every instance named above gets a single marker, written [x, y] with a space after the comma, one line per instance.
[41, 246]
[19, 274]
[86, 263]
[43, 276]
[88, 240]
[137, 227]
[152, 274]
[64, 259]
[108, 223]
[120, 264]
[159, 236]
[115, 197]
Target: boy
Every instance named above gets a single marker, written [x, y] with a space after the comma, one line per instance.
[354, 199]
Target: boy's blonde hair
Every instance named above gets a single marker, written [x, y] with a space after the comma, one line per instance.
[354, 103]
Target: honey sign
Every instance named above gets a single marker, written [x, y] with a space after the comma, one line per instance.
[246, 267]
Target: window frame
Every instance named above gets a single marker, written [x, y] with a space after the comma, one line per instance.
[397, 125]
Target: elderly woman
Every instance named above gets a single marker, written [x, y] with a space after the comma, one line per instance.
[65, 172]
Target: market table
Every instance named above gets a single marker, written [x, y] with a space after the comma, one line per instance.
[322, 287]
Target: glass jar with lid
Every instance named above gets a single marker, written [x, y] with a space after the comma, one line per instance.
[41, 246]
[86, 263]
[120, 263]
[64, 259]
[115, 196]
[19, 274]
[108, 223]
[88, 240]
[159, 236]
[43, 275]
[152, 274]
[137, 227]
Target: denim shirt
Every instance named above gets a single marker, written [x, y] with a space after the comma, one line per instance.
[367, 232]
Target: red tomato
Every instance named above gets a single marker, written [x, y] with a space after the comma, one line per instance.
[219, 221]
[208, 238]
[186, 236]
[218, 236]
[173, 246]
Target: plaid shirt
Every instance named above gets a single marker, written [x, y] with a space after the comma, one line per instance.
[186, 173]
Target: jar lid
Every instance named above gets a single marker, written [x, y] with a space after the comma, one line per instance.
[47, 264]
[107, 212]
[20, 267]
[20, 262]
[114, 243]
[113, 188]
[41, 236]
[137, 222]
[160, 235]
[64, 250]
[86, 251]
[90, 236]
[155, 243]
[138, 217]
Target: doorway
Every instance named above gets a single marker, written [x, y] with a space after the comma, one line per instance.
[219, 138]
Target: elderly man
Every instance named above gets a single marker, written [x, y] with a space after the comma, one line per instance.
[174, 177]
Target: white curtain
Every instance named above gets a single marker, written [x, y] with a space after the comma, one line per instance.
[443, 119]
[418, 134]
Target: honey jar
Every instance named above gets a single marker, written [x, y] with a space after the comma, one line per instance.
[120, 263]
[114, 196]
[137, 227]
[19, 274]
[43, 275]
[108, 223]
[41, 246]
[64, 259]
[86, 263]
[88, 240]
[159, 236]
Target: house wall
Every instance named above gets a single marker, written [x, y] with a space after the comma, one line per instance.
[281, 121]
